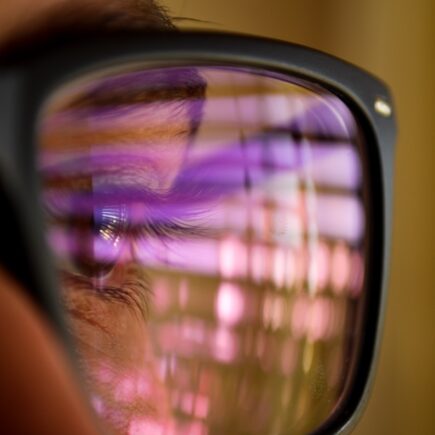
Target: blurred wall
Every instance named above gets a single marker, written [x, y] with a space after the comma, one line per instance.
[395, 39]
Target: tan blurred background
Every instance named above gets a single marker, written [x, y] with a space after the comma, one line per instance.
[395, 39]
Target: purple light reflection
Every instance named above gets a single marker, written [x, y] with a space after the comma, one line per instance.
[251, 254]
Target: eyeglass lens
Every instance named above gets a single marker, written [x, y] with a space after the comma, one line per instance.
[209, 226]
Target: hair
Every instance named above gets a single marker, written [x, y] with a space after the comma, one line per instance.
[70, 19]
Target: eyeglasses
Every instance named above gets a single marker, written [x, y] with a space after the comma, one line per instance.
[208, 215]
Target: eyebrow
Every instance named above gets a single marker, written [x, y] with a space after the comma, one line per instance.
[79, 18]
[76, 18]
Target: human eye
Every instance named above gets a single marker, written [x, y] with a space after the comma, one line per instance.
[94, 223]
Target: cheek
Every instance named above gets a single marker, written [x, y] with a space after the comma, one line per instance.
[107, 329]
[118, 363]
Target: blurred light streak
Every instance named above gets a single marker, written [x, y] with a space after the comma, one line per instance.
[202, 404]
[308, 356]
[357, 275]
[259, 257]
[233, 259]
[300, 313]
[98, 405]
[341, 268]
[319, 322]
[321, 260]
[148, 426]
[289, 357]
[162, 299]
[279, 264]
[230, 304]
[290, 270]
[340, 217]
[225, 345]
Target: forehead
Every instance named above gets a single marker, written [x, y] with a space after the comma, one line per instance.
[22, 21]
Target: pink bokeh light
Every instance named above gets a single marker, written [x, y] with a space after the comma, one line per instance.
[148, 426]
[225, 345]
[232, 258]
[230, 304]
[341, 268]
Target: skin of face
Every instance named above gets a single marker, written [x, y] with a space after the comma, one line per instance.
[111, 334]
[108, 333]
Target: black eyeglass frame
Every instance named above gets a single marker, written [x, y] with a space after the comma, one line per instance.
[28, 78]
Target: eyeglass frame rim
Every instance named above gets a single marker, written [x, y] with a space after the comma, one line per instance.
[57, 62]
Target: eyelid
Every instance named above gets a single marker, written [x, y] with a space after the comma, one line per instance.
[136, 293]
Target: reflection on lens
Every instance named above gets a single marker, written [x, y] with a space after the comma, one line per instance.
[209, 227]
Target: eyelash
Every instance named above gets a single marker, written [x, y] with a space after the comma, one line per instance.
[170, 229]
